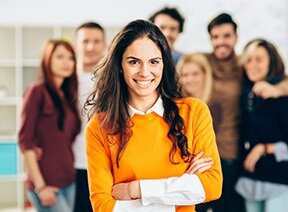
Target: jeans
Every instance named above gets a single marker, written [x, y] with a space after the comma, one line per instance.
[65, 200]
[276, 204]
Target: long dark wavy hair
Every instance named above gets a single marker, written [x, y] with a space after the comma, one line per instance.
[111, 94]
[69, 86]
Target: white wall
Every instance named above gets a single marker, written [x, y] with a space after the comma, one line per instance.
[256, 18]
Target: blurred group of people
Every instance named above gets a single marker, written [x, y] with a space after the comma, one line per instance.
[140, 89]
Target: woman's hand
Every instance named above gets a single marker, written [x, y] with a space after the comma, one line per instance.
[253, 156]
[126, 191]
[199, 165]
[48, 196]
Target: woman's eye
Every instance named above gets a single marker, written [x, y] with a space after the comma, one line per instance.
[154, 61]
[133, 62]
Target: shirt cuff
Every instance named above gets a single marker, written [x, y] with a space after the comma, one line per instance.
[184, 190]
[281, 151]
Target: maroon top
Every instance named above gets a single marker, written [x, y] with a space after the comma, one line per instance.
[39, 128]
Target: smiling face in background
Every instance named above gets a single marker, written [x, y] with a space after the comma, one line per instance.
[142, 67]
[169, 26]
[257, 66]
[62, 63]
[90, 45]
[192, 79]
[223, 38]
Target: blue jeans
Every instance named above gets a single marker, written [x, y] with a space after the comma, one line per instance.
[65, 200]
[279, 204]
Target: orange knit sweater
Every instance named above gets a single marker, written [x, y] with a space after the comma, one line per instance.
[147, 154]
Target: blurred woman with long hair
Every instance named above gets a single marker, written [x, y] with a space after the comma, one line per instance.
[50, 122]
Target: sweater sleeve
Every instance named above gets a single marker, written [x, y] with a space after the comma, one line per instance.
[29, 116]
[99, 170]
[204, 140]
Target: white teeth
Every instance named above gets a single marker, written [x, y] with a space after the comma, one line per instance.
[144, 82]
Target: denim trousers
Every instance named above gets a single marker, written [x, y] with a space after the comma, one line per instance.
[65, 200]
[275, 204]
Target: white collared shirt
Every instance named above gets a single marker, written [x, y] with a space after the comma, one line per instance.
[156, 108]
[163, 194]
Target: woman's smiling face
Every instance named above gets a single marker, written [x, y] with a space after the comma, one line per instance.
[257, 66]
[142, 67]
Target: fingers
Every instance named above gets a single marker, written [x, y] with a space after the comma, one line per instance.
[199, 155]
[200, 168]
[48, 196]
[259, 88]
[200, 165]
[250, 162]
[249, 165]
[204, 168]
[253, 157]
[266, 90]
[54, 189]
[53, 200]
[261, 85]
[120, 191]
[114, 193]
[115, 189]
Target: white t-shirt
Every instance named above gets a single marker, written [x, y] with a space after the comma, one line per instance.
[85, 86]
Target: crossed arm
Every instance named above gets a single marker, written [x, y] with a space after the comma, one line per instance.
[132, 190]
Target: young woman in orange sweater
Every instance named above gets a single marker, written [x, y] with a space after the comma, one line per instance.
[147, 148]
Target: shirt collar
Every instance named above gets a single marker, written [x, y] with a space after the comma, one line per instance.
[156, 108]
